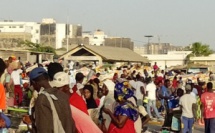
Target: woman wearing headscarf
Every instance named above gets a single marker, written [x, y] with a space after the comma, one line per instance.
[91, 103]
[88, 95]
[107, 100]
[125, 114]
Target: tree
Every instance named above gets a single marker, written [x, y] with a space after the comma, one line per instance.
[37, 47]
[198, 49]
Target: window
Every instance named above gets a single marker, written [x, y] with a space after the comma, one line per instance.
[37, 41]
[13, 26]
[21, 26]
[95, 44]
[1, 27]
[101, 44]
[95, 37]
[37, 31]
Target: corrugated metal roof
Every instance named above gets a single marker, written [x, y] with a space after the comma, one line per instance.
[113, 53]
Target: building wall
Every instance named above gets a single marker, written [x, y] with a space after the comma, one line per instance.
[98, 38]
[119, 42]
[22, 27]
[60, 35]
[161, 48]
[166, 59]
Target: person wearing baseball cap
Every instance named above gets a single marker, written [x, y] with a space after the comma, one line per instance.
[43, 111]
[188, 105]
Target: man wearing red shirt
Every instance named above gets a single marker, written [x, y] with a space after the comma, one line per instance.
[155, 67]
[208, 108]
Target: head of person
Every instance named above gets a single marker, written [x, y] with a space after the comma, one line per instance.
[79, 77]
[152, 72]
[98, 75]
[210, 86]
[167, 83]
[138, 77]
[123, 76]
[180, 92]
[88, 92]
[61, 82]
[10, 59]
[39, 78]
[2, 67]
[54, 68]
[96, 81]
[162, 71]
[148, 80]
[188, 88]
[108, 88]
[105, 90]
[155, 63]
[175, 78]
[204, 85]
[100, 93]
[122, 92]
[159, 84]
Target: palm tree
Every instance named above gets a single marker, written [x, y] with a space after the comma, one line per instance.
[198, 49]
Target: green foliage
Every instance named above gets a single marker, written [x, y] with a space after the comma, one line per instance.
[37, 47]
[61, 49]
[198, 49]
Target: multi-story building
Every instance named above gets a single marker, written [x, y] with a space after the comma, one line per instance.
[99, 38]
[140, 50]
[96, 38]
[11, 33]
[161, 48]
[119, 42]
[56, 34]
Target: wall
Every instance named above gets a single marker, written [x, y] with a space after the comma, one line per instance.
[119, 42]
[22, 27]
[165, 59]
[5, 54]
[60, 35]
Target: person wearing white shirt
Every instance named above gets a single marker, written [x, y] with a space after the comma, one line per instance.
[151, 95]
[139, 90]
[15, 75]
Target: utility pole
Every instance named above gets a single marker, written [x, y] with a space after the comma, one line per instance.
[67, 35]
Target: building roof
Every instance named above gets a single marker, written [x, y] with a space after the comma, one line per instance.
[112, 53]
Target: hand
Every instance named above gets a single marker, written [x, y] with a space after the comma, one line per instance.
[26, 119]
[2, 123]
[107, 111]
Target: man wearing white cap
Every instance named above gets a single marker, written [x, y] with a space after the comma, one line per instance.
[82, 121]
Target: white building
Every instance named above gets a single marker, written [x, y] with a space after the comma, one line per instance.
[60, 35]
[205, 60]
[172, 58]
[32, 28]
[48, 21]
[97, 38]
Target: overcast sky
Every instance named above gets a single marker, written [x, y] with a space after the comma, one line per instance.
[180, 22]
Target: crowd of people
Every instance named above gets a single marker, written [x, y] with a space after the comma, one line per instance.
[69, 100]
